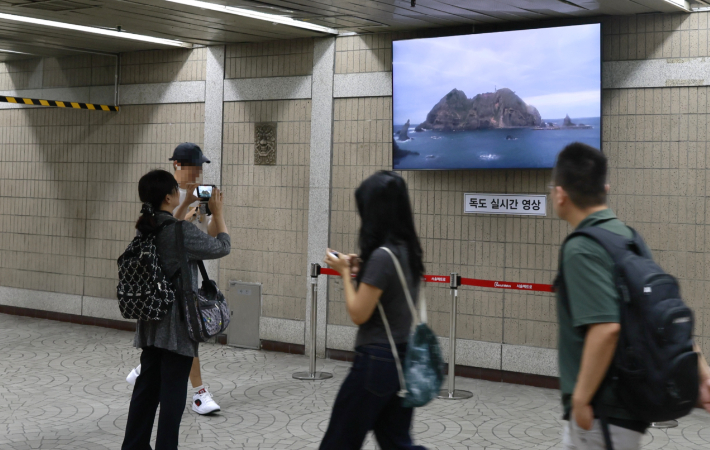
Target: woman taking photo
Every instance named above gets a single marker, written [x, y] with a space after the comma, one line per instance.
[167, 348]
[368, 398]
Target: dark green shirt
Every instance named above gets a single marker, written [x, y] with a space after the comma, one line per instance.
[593, 298]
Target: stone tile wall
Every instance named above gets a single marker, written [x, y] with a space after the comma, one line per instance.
[43, 192]
[373, 52]
[156, 66]
[267, 206]
[368, 53]
[656, 140]
[163, 66]
[68, 184]
[79, 71]
[655, 36]
[270, 59]
[17, 74]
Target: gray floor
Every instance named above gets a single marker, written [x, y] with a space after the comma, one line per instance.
[64, 388]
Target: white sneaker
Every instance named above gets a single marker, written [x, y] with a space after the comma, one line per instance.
[202, 403]
[131, 378]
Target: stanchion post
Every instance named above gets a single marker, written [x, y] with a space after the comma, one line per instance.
[451, 393]
[312, 374]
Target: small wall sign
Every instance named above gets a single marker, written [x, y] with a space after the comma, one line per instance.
[513, 204]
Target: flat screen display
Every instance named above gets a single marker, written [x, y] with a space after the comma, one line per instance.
[507, 100]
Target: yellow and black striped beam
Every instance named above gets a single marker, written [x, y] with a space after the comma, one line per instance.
[57, 103]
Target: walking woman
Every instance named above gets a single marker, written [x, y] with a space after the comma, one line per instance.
[168, 350]
[368, 398]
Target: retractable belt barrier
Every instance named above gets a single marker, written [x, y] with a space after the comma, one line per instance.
[446, 279]
[454, 281]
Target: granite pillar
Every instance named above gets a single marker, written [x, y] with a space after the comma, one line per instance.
[321, 154]
[214, 110]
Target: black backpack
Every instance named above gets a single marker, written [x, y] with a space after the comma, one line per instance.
[655, 368]
[143, 291]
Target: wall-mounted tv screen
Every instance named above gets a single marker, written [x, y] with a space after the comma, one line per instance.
[507, 100]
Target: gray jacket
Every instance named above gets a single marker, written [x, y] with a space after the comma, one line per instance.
[170, 333]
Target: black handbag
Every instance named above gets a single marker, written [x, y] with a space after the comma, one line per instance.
[205, 310]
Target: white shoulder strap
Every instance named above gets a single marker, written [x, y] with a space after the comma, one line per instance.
[402, 382]
[405, 287]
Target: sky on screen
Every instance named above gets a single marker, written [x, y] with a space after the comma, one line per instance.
[557, 70]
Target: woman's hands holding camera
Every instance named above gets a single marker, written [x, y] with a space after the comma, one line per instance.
[216, 204]
[190, 196]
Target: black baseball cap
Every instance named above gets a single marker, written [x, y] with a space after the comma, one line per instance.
[187, 152]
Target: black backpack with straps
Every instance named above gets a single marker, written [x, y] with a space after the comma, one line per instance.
[143, 291]
[655, 367]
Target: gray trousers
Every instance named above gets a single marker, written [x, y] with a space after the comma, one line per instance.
[576, 438]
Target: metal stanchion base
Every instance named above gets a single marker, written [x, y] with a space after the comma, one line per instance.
[458, 394]
[307, 376]
[666, 424]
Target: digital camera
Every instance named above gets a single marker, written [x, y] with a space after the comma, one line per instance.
[204, 192]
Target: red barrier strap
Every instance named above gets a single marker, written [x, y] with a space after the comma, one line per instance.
[427, 278]
[507, 285]
[474, 282]
[437, 279]
[326, 271]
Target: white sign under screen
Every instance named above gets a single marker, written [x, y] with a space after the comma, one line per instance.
[514, 204]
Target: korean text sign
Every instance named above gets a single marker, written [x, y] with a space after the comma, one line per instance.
[515, 204]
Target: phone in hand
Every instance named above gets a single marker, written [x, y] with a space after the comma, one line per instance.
[204, 192]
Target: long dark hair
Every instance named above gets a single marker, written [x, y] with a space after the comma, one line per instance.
[152, 189]
[383, 204]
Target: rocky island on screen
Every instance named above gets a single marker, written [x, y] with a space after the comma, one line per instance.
[531, 92]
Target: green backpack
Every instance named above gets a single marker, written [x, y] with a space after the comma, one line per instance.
[423, 372]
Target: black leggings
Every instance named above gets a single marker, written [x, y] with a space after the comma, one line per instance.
[163, 380]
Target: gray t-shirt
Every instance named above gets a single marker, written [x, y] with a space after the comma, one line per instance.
[380, 272]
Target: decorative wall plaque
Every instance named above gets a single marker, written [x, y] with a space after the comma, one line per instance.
[265, 140]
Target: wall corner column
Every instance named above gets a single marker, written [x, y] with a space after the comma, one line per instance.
[214, 123]
[321, 155]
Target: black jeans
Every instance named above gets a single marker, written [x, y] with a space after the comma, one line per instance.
[368, 400]
[163, 380]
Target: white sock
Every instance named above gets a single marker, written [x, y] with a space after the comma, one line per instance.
[199, 388]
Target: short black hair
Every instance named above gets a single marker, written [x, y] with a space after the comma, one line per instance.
[581, 171]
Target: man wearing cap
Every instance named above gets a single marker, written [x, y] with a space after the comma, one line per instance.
[187, 161]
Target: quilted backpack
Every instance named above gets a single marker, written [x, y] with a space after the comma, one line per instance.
[143, 291]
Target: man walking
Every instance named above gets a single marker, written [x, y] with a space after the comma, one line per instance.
[589, 318]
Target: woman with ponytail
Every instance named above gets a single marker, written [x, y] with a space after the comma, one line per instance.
[168, 351]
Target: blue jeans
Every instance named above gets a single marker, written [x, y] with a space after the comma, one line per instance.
[368, 400]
